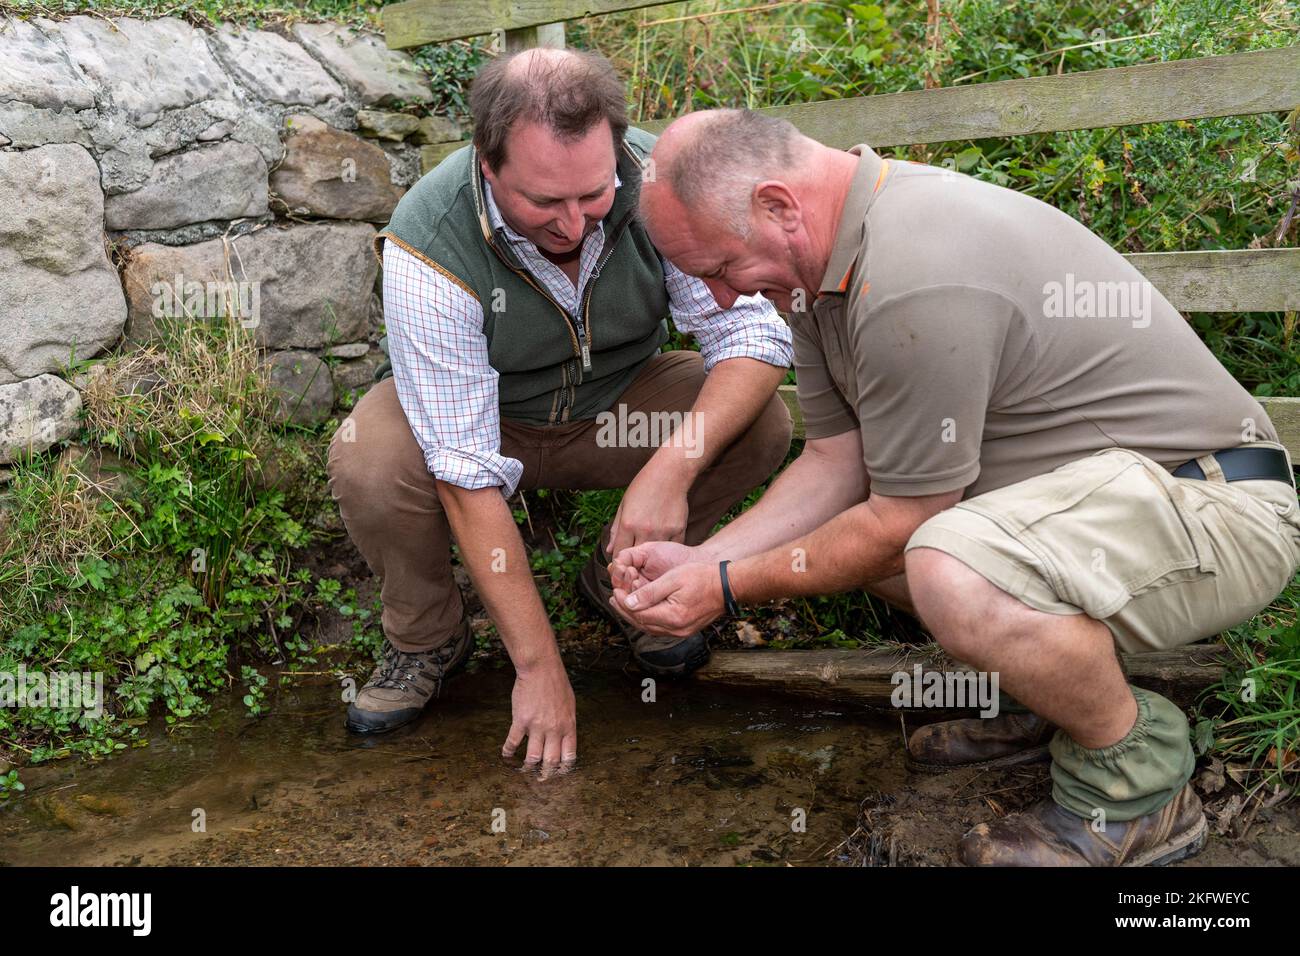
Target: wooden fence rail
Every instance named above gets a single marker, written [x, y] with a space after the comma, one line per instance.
[417, 22]
[1237, 84]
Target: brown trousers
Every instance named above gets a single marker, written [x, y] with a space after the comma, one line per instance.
[389, 500]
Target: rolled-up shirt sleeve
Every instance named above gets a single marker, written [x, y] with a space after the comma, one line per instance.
[445, 382]
[751, 328]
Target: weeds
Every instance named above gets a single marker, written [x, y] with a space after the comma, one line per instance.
[168, 556]
[1253, 717]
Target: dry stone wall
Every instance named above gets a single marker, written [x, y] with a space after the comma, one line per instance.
[152, 171]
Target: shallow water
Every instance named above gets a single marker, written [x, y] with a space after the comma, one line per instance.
[703, 775]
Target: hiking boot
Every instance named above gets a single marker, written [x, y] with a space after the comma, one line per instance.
[403, 683]
[660, 655]
[1001, 741]
[1048, 835]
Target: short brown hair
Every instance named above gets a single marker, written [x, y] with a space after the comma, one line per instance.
[568, 94]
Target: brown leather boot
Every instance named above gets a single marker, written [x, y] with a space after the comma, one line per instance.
[403, 683]
[1047, 835]
[1001, 741]
[656, 654]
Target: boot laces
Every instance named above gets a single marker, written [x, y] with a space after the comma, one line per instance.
[398, 667]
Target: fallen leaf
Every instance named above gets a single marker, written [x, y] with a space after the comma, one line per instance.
[1288, 757]
[749, 635]
[1210, 780]
[1227, 812]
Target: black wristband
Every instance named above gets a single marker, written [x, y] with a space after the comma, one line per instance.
[728, 599]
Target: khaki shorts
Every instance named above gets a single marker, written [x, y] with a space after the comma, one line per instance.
[1162, 561]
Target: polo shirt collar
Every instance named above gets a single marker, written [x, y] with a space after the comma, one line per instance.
[870, 176]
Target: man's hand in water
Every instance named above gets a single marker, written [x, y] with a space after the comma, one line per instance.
[541, 705]
[543, 710]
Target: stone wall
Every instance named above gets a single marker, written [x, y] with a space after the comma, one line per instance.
[152, 171]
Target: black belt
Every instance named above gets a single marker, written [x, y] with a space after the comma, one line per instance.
[1243, 464]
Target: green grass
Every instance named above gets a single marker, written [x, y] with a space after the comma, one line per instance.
[1252, 719]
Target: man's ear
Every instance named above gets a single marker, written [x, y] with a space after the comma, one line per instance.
[778, 203]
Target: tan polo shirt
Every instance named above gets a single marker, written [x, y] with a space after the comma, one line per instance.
[978, 337]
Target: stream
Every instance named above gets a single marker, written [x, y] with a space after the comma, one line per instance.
[702, 775]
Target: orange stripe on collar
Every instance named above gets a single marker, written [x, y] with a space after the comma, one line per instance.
[880, 179]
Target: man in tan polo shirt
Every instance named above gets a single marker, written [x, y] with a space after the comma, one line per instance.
[1010, 434]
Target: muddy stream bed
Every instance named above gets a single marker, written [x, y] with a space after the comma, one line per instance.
[704, 775]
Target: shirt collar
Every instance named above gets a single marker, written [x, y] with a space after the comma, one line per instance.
[498, 223]
[867, 181]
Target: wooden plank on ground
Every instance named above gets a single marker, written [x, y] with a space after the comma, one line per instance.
[867, 676]
[1237, 84]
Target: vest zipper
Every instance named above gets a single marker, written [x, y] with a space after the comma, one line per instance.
[584, 329]
[573, 391]
[559, 414]
[568, 321]
[563, 412]
[579, 330]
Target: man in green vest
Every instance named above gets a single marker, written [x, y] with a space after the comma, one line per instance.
[525, 310]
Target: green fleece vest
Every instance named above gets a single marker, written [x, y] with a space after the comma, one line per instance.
[552, 366]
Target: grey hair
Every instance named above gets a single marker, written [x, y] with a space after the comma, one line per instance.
[717, 168]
